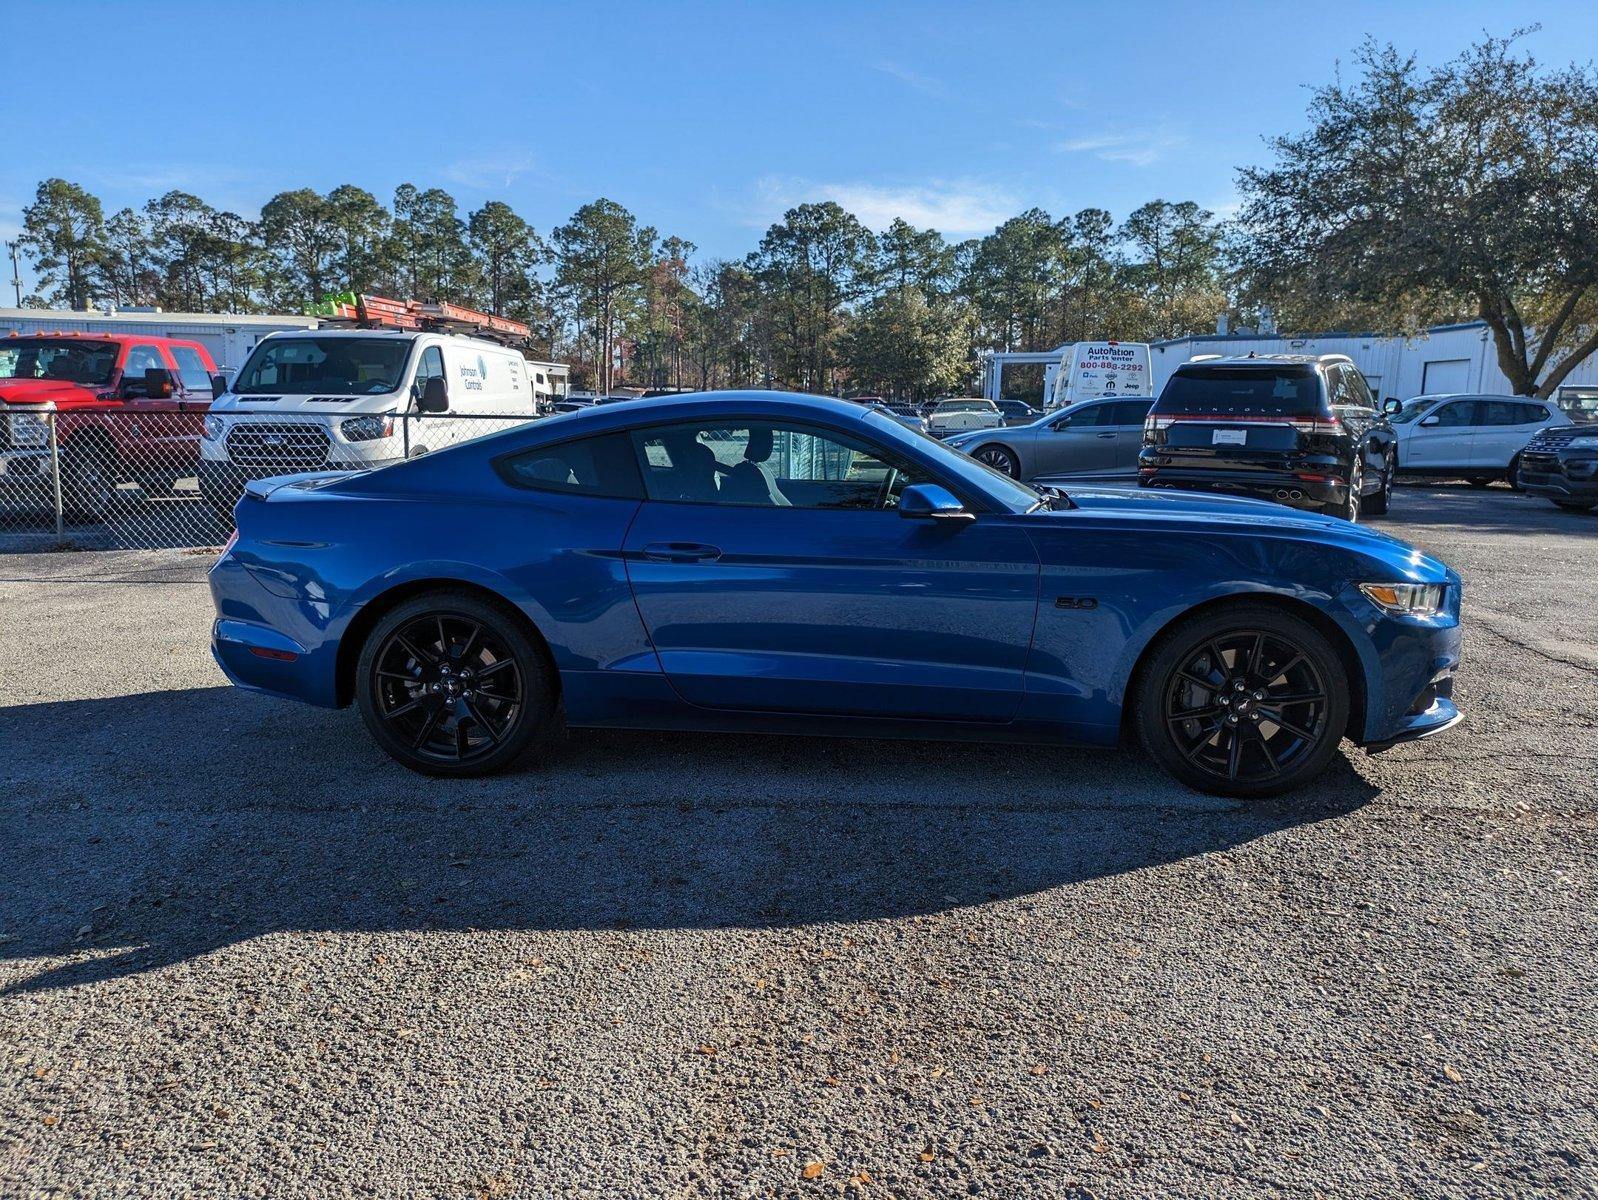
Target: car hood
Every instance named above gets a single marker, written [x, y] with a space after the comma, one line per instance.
[43, 391]
[1191, 511]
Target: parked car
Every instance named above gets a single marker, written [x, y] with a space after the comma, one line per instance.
[1478, 438]
[756, 561]
[325, 399]
[1562, 464]
[903, 412]
[1298, 429]
[1096, 439]
[128, 408]
[958, 414]
[1017, 412]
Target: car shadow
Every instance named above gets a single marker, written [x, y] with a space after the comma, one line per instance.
[147, 830]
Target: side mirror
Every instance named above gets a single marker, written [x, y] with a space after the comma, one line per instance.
[434, 397]
[1430, 421]
[158, 383]
[930, 502]
[1391, 405]
[218, 384]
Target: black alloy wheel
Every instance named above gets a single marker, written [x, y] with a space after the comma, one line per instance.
[999, 459]
[1249, 701]
[452, 685]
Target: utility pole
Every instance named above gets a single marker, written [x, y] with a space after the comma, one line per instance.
[16, 273]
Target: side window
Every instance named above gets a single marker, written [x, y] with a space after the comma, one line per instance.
[141, 359]
[1358, 390]
[1088, 417]
[1456, 414]
[1531, 414]
[1132, 412]
[769, 464]
[431, 366]
[596, 466]
[191, 369]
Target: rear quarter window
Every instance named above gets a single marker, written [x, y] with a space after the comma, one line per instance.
[593, 466]
[1243, 391]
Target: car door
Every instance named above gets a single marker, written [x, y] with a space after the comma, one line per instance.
[773, 572]
[1443, 438]
[158, 443]
[1083, 440]
[1506, 427]
[1129, 417]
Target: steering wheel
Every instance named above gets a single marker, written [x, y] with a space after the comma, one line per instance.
[885, 492]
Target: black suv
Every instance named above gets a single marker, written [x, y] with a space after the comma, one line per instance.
[1300, 429]
[1562, 464]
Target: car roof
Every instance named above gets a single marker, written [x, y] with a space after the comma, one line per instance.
[622, 414]
[1254, 359]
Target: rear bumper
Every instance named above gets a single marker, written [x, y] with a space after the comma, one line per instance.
[1316, 495]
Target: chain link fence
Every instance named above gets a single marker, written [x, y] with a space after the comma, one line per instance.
[144, 478]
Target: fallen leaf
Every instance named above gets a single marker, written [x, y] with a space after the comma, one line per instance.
[1039, 1069]
[1099, 1144]
[50, 1121]
[779, 1154]
[975, 1101]
[1452, 1074]
[38, 1072]
[860, 1177]
[928, 1154]
[813, 1170]
[708, 1051]
[830, 1081]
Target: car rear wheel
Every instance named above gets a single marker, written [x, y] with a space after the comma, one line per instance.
[1245, 701]
[449, 684]
[1513, 477]
[1480, 481]
[1577, 505]
[999, 459]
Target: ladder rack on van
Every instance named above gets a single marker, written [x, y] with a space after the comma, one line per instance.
[359, 311]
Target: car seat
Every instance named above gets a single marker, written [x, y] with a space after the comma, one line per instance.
[752, 480]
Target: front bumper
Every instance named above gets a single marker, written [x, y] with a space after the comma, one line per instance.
[1410, 662]
[25, 469]
[1314, 495]
[1566, 477]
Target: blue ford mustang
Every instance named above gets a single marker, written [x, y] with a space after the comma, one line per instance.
[766, 561]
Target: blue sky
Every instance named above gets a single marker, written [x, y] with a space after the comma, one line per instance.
[706, 119]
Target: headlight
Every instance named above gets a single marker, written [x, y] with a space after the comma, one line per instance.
[1421, 599]
[1583, 443]
[368, 428]
[29, 429]
[213, 428]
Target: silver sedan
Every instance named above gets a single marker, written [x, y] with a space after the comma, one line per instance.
[1093, 439]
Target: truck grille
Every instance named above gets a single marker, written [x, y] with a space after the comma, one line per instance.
[278, 447]
[1554, 439]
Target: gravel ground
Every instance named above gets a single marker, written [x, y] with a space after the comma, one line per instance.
[243, 954]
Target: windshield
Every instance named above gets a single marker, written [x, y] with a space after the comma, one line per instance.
[1242, 391]
[304, 366]
[1015, 496]
[69, 360]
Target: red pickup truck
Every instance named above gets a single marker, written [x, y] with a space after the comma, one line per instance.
[128, 408]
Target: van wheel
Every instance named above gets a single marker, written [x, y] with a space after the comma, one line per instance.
[1245, 701]
[449, 684]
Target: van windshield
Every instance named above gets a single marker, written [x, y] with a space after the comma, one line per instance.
[303, 366]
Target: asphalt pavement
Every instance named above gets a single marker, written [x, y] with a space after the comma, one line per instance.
[243, 954]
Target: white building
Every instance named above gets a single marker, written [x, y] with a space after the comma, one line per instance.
[1446, 358]
[228, 336]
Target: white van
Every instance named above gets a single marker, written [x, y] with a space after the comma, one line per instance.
[1093, 369]
[328, 399]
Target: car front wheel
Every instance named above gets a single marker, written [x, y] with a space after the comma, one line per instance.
[1246, 701]
[999, 459]
[450, 684]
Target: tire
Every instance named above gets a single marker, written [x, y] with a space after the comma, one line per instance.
[88, 482]
[1355, 502]
[1376, 505]
[1512, 476]
[1000, 458]
[1480, 481]
[1577, 505]
[1190, 713]
[452, 685]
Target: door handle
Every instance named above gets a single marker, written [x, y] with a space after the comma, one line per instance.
[1106, 435]
[681, 552]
